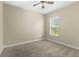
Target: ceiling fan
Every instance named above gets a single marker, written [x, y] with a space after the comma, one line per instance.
[43, 3]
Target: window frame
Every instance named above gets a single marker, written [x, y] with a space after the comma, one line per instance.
[55, 18]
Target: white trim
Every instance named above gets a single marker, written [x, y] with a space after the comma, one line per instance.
[1, 49]
[5, 46]
[74, 47]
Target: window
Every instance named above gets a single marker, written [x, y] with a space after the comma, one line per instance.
[54, 26]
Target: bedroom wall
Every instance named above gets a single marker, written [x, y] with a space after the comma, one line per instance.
[21, 25]
[69, 25]
[1, 23]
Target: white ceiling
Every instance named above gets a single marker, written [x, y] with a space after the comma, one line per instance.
[48, 8]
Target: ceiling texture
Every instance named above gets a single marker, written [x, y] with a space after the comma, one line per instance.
[48, 7]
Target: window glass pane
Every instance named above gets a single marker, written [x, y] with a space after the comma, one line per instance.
[54, 26]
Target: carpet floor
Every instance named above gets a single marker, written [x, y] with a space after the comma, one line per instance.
[42, 48]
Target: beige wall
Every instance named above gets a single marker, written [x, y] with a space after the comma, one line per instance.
[21, 25]
[69, 24]
[1, 24]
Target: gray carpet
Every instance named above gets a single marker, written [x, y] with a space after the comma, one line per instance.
[43, 48]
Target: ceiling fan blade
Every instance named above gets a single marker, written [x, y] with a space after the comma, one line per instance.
[49, 2]
[36, 4]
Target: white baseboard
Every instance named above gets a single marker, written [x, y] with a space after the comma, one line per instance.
[74, 47]
[20, 43]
